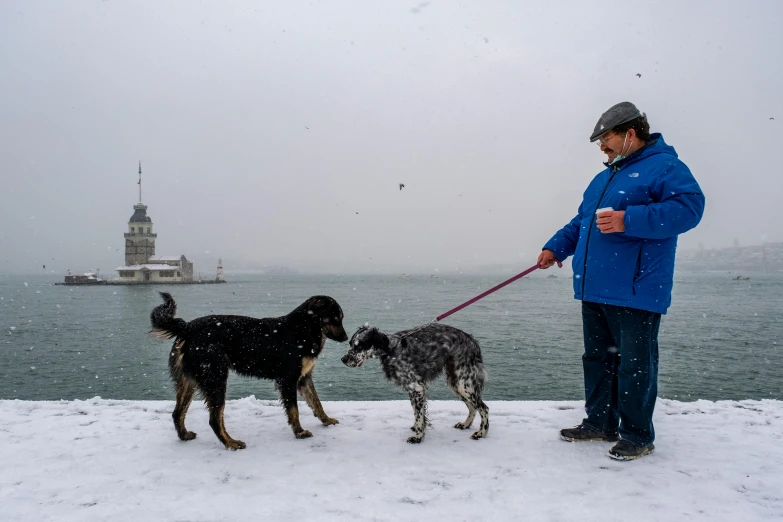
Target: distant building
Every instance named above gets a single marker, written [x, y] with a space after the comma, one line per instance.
[139, 239]
[765, 258]
[160, 269]
[142, 266]
[88, 278]
[141, 263]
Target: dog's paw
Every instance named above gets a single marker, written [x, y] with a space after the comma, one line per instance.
[462, 426]
[330, 421]
[415, 439]
[188, 435]
[304, 434]
[235, 445]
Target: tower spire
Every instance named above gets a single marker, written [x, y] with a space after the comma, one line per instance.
[139, 181]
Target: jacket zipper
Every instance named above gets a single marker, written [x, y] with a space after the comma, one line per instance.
[590, 230]
[615, 170]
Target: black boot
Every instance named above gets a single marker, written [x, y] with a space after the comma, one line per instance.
[586, 433]
[625, 450]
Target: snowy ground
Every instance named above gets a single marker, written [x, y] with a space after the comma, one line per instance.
[121, 460]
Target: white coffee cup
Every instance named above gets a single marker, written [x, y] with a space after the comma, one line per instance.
[605, 209]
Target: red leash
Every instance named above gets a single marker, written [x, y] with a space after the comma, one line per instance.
[468, 303]
[494, 288]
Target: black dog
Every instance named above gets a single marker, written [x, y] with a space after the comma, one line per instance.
[283, 349]
[414, 358]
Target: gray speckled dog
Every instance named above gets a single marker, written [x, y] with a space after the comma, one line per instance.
[414, 358]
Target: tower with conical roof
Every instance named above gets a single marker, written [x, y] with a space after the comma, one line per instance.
[139, 238]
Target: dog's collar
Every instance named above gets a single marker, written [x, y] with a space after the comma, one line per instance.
[395, 340]
[412, 331]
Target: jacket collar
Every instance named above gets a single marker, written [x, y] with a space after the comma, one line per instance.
[654, 145]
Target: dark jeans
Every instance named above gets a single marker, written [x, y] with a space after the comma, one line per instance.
[621, 369]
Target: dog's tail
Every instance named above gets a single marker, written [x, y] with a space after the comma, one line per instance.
[164, 324]
[482, 376]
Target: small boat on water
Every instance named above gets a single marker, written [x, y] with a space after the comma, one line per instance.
[88, 278]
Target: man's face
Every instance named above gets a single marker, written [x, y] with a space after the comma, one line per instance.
[611, 143]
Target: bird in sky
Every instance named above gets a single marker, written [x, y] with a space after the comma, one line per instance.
[402, 186]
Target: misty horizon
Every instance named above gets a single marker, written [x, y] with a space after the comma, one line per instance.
[277, 135]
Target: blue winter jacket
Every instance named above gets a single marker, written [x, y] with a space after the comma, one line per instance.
[635, 268]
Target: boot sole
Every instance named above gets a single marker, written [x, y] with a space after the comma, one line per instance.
[644, 452]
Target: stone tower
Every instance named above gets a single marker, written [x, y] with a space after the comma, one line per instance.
[139, 238]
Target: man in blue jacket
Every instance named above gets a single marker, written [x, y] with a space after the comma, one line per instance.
[623, 240]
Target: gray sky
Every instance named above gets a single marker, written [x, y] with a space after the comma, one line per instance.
[277, 132]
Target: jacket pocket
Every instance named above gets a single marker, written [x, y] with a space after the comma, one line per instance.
[638, 271]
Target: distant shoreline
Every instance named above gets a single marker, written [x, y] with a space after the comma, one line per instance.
[144, 283]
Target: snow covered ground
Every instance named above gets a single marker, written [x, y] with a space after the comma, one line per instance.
[121, 460]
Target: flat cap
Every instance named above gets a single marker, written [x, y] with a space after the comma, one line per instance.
[616, 115]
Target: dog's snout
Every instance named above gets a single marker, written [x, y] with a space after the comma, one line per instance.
[350, 361]
[336, 333]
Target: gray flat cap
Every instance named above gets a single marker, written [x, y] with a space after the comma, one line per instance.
[616, 115]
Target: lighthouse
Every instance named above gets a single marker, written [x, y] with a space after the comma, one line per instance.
[219, 276]
[139, 238]
[142, 266]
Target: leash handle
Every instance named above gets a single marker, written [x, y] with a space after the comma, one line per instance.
[494, 288]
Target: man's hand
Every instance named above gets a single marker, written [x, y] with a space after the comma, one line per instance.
[611, 221]
[547, 258]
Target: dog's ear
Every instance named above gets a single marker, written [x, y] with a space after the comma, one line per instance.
[317, 305]
[323, 306]
[359, 333]
[380, 341]
[317, 302]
